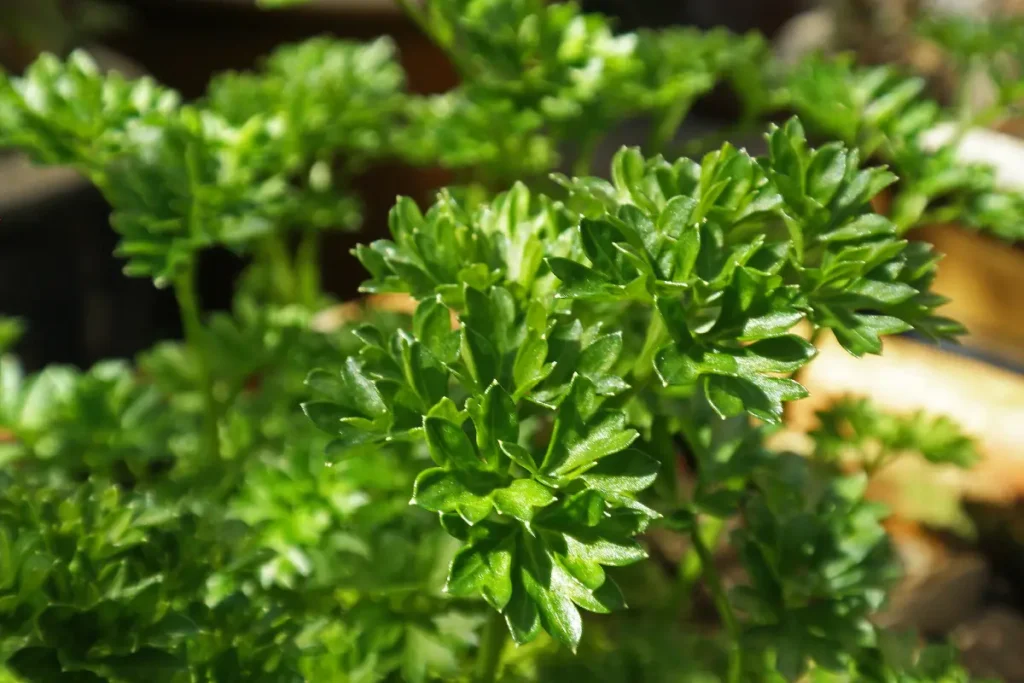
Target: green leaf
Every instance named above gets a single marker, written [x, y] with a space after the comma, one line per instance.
[481, 357]
[494, 417]
[578, 281]
[529, 368]
[325, 415]
[581, 436]
[450, 446]
[440, 490]
[432, 326]
[521, 614]
[520, 498]
[826, 172]
[519, 455]
[600, 355]
[785, 354]
[422, 371]
[628, 172]
[862, 227]
[360, 391]
[760, 396]
[484, 567]
[629, 471]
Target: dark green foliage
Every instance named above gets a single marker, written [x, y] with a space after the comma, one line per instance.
[819, 564]
[720, 259]
[513, 445]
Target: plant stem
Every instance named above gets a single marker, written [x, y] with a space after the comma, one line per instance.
[307, 269]
[721, 600]
[279, 263]
[667, 125]
[585, 159]
[690, 565]
[492, 643]
[195, 337]
[657, 335]
[421, 17]
[418, 17]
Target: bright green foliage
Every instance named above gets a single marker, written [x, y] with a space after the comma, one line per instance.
[680, 64]
[885, 114]
[100, 421]
[321, 98]
[96, 585]
[178, 518]
[459, 130]
[537, 74]
[69, 113]
[180, 178]
[543, 57]
[857, 433]
[994, 47]
[751, 249]
[857, 428]
[722, 258]
[148, 155]
[932, 664]
[185, 186]
[224, 570]
[99, 618]
[100, 585]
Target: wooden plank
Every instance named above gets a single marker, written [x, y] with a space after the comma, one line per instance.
[988, 402]
[22, 183]
[1003, 152]
[983, 278]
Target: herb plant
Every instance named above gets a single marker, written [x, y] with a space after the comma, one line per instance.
[587, 366]
[886, 114]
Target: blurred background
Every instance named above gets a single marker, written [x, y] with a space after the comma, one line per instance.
[56, 231]
[961, 533]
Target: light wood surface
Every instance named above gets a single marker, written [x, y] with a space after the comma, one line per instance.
[984, 279]
[987, 401]
[22, 183]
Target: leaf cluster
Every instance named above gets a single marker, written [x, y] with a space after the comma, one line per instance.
[228, 172]
[888, 115]
[178, 517]
[531, 410]
[857, 428]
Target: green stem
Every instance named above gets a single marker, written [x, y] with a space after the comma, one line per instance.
[445, 42]
[585, 159]
[667, 125]
[283, 280]
[690, 565]
[816, 335]
[307, 269]
[492, 644]
[872, 466]
[721, 600]
[690, 432]
[416, 14]
[700, 146]
[195, 337]
[656, 337]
